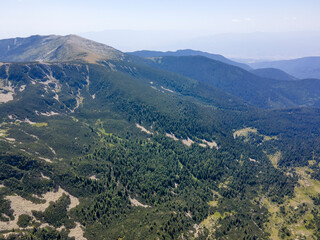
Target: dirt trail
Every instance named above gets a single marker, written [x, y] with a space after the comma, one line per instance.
[143, 129]
[172, 136]
[136, 203]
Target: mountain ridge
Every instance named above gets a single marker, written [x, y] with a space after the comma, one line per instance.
[55, 48]
[273, 73]
[306, 67]
[129, 150]
[189, 52]
[258, 91]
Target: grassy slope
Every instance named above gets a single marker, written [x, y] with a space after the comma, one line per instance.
[101, 134]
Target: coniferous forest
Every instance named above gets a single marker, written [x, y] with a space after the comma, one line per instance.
[125, 147]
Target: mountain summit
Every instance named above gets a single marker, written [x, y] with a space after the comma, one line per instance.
[54, 48]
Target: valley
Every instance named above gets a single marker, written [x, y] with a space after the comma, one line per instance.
[100, 144]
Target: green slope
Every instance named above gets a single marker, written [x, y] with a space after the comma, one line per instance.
[265, 93]
[124, 150]
[102, 134]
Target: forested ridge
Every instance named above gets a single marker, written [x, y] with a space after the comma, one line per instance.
[121, 150]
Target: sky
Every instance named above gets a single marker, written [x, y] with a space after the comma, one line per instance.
[193, 18]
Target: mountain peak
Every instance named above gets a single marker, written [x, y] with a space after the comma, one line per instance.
[56, 48]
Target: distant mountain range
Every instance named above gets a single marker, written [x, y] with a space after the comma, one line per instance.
[189, 52]
[255, 45]
[273, 73]
[262, 88]
[301, 68]
[261, 92]
[307, 67]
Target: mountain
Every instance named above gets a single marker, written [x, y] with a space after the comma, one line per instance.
[260, 92]
[307, 67]
[273, 73]
[189, 52]
[122, 148]
[65, 127]
[55, 48]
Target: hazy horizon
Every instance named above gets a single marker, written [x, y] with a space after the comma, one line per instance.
[255, 45]
[236, 29]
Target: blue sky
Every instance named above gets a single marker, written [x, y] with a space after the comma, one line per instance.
[255, 28]
[26, 17]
